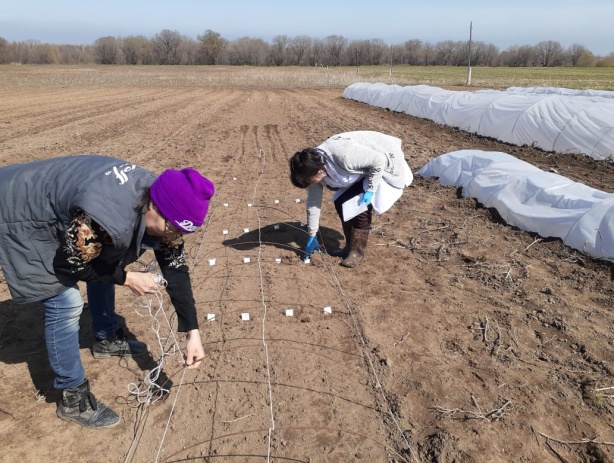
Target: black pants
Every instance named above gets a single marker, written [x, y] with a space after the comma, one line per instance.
[363, 220]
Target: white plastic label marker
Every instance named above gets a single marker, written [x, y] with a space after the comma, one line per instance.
[245, 316]
[211, 261]
[278, 260]
[277, 201]
[289, 312]
[327, 310]
[225, 204]
[275, 227]
[249, 204]
[210, 317]
[246, 260]
[246, 230]
[224, 232]
[297, 200]
[307, 260]
[234, 178]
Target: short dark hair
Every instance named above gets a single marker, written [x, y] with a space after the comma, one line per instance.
[304, 165]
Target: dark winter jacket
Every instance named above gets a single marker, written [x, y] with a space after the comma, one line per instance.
[38, 200]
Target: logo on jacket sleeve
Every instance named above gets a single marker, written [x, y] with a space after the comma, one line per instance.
[120, 172]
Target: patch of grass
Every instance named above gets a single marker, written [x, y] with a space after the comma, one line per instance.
[301, 77]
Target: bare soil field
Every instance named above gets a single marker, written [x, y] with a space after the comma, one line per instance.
[459, 338]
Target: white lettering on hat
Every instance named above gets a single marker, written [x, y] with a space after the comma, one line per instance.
[187, 225]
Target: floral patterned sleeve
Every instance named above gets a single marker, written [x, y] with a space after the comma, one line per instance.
[171, 258]
[84, 241]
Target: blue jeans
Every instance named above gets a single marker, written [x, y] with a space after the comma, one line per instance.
[62, 313]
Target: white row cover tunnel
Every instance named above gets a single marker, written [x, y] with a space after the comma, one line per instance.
[533, 200]
[566, 121]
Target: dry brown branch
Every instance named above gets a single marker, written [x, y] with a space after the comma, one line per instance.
[513, 336]
[491, 415]
[537, 240]
[393, 245]
[604, 388]
[400, 340]
[440, 250]
[485, 330]
[238, 419]
[575, 442]
[497, 340]
[558, 455]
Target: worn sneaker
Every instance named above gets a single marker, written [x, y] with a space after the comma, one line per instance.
[117, 345]
[78, 404]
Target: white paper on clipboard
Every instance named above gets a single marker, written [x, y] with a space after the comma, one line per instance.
[351, 208]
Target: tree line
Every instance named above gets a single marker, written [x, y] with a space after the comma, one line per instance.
[171, 48]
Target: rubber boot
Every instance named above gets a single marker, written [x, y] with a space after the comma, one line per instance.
[78, 404]
[343, 252]
[357, 248]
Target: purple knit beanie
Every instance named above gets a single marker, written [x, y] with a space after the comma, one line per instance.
[182, 197]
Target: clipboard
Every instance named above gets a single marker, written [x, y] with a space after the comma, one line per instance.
[351, 208]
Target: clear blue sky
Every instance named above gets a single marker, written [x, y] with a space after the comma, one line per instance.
[499, 22]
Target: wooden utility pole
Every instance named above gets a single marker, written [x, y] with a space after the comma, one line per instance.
[469, 57]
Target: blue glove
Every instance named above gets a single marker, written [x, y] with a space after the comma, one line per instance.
[366, 198]
[312, 245]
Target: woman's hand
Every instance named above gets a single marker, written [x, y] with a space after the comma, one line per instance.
[194, 352]
[141, 282]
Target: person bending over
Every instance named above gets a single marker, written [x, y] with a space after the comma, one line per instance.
[85, 218]
[366, 169]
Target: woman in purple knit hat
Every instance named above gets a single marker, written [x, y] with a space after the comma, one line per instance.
[85, 218]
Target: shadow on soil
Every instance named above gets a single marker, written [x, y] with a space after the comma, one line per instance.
[287, 236]
[22, 340]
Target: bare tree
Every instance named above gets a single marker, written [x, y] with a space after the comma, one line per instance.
[445, 52]
[45, 54]
[166, 47]
[188, 51]
[427, 53]
[4, 51]
[549, 53]
[169, 47]
[299, 47]
[395, 55]
[377, 51]
[278, 49]
[580, 56]
[137, 49]
[211, 46]
[107, 51]
[490, 54]
[334, 46]
[518, 56]
[356, 53]
[75, 54]
[412, 52]
[316, 53]
[366, 52]
[460, 54]
[247, 51]
[527, 55]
